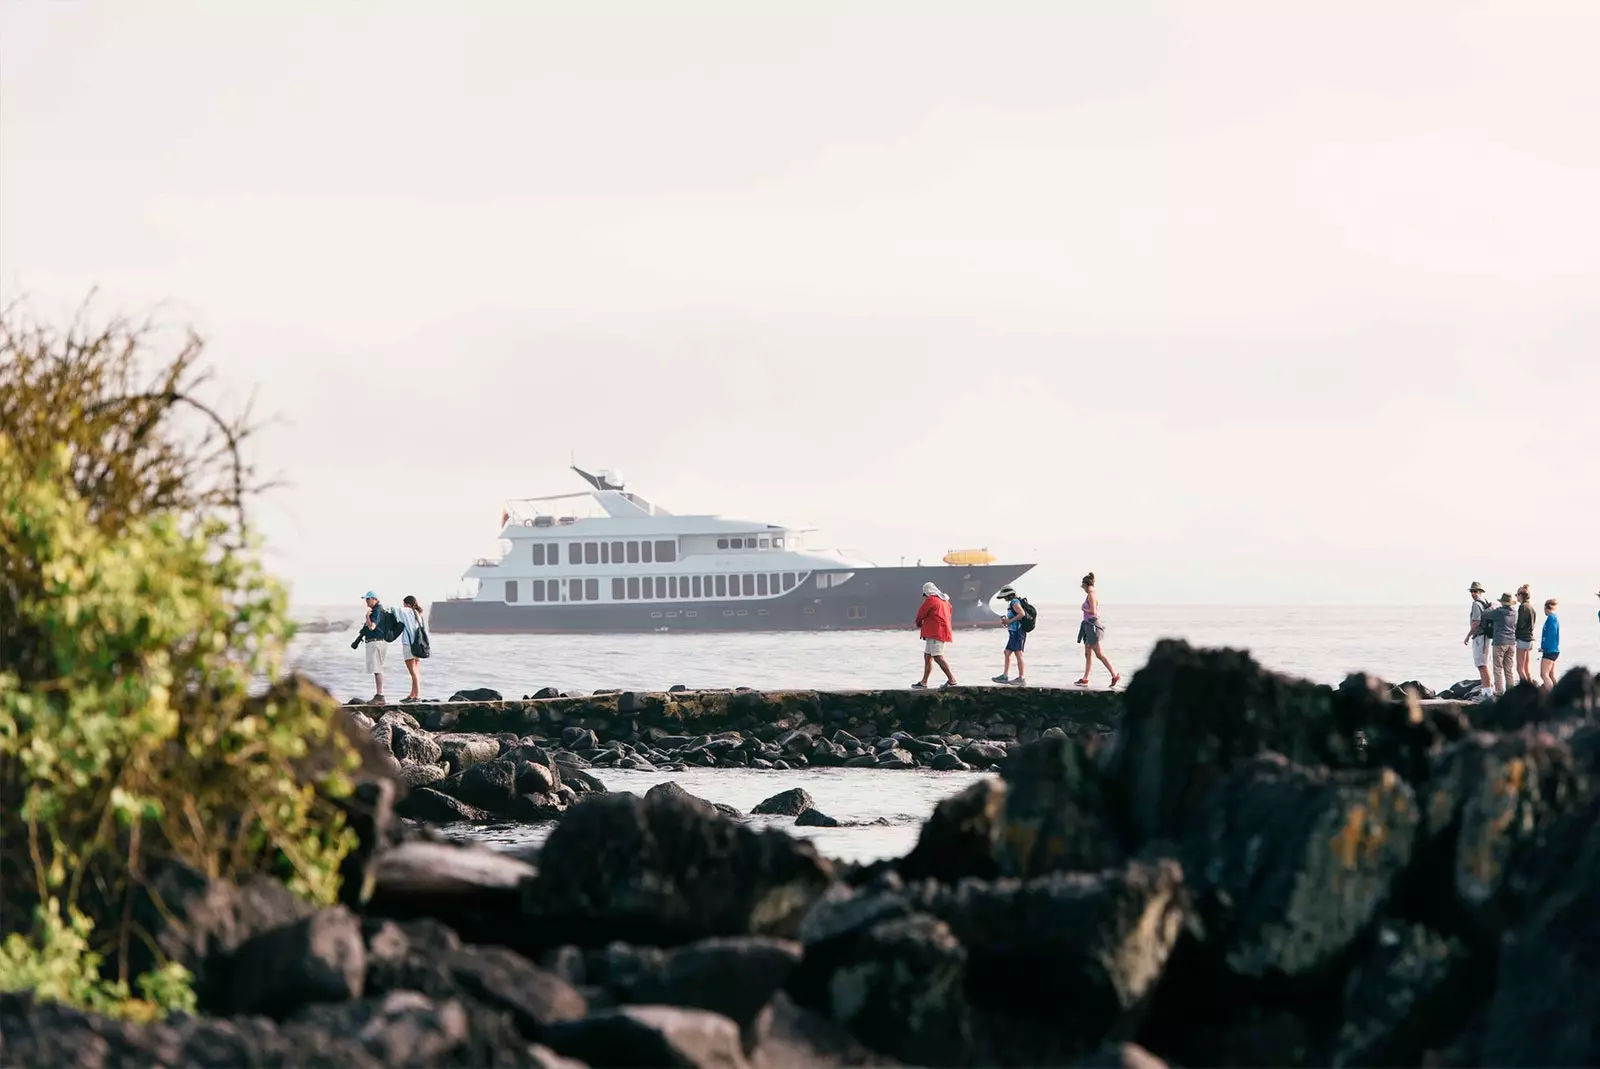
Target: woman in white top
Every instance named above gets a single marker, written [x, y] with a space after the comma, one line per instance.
[410, 614]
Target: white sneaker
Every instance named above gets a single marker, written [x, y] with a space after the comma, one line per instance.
[1019, 682]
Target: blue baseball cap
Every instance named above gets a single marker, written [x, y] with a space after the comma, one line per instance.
[373, 594]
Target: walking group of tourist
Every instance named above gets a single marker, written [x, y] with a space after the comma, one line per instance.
[383, 626]
[933, 623]
[1501, 638]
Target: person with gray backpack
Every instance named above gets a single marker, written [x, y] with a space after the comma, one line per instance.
[1478, 636]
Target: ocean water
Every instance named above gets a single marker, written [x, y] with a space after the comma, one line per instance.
[1318, 643]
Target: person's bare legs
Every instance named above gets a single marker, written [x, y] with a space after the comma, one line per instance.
[414, 667]
[1088, 663]
[1022, 670]
[944, 666]
[377, 678]
[1006, 671]
[1102, 657]
[1525, 665]
[1547, 674]
[927, 667]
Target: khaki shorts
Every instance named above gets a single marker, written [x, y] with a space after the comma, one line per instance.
[933, 647]
[376, 652]
[1480, 651]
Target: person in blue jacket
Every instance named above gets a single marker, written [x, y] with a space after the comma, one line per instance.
[1549, 645]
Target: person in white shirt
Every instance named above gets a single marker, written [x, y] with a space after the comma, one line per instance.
[411, 619]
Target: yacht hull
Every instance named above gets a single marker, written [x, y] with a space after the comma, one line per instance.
[872, 599]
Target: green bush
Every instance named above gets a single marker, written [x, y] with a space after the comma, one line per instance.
[133, 615]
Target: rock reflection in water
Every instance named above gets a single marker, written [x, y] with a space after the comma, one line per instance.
[880, 813]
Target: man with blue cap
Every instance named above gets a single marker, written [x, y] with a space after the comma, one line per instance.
[371, 633]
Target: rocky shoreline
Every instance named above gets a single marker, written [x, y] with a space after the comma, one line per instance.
[1240, 869]
[481, 759]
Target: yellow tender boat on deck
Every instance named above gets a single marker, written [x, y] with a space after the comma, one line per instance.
[969, 556]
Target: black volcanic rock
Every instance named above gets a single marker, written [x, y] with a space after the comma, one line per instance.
[1289, 865]
[790, 803]
[662, 870]
[479, 694]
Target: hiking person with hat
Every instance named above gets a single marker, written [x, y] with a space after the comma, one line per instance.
[1503, 644]
[376, 634]
[933, 620]
[1019, 621]
[1476, 637]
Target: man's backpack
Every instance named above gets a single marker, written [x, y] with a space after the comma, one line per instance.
[390, 626]
[1486, 622]
[1030, 615]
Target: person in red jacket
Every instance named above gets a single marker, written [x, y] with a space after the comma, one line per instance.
[933, 618]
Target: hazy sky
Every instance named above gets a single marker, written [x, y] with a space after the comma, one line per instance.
[1277, 302]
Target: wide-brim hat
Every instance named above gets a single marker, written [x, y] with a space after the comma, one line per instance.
[1506, 599]
[1476, 588]
[1007, 592]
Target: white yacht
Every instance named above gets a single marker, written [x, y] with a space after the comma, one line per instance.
[607, 560]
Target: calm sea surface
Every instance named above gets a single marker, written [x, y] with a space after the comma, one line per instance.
[1319, 643]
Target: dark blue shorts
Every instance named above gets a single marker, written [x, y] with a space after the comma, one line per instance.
[1016, 640]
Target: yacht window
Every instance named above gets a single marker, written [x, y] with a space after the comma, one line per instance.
[749, 586]
[694, 587]
[538, 553]
[722, 543]
[644, 553]
[736, 543]
[552, 589]
[788, 580]
[761, 585]
[708, 586]
[648, 588]
[605, 552]
[591, 589]
[666, 552]
[619, 589]
[722, 586]
[661, 586]
[672, 586]
[591, 553]
[774, 578]
[536, 589]
[777, 543]
[765, 542]
[633, 588]
[574, 589]
[511, 590]
[574, 552]
[633, 553]
[616, 553]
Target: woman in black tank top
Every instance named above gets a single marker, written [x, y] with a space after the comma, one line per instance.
[1525, 619]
